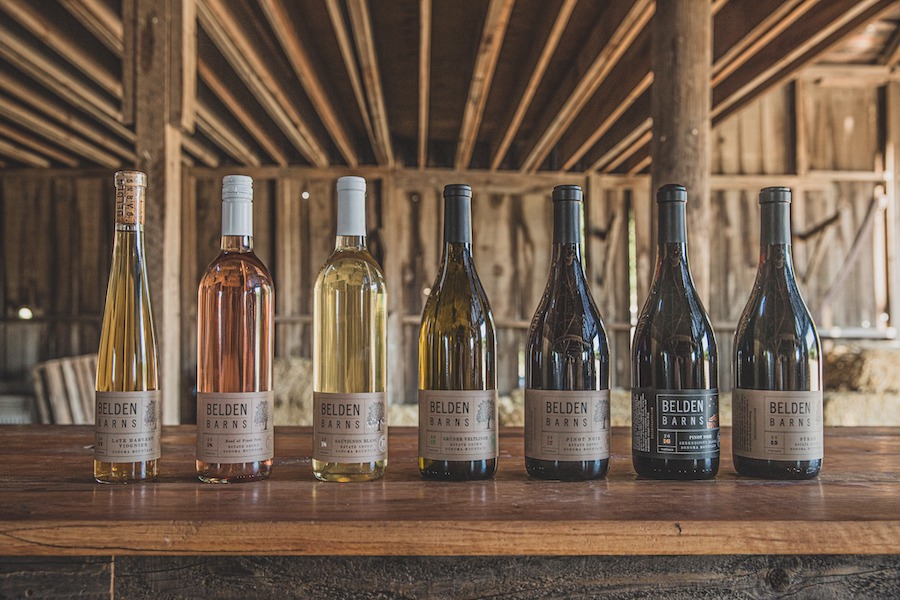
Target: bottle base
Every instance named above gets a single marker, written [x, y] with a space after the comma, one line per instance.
[562, 470]
[795, 470]
[676, 469]
[457, 470]
[112, 473]
[234, 472]
[348, 472]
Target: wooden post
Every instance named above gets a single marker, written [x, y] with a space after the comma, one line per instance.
[158, 50]
[680, 106]
[892, 216]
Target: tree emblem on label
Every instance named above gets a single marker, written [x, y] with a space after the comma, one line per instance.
[601, 413]
[150, 417]
[375, 416]
[261, 417]
[485, 412]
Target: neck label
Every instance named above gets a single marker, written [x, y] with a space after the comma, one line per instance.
[776, 425]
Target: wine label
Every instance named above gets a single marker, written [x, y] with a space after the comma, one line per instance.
[458, 425]
[126, 426]
[349, 428]
[567, 425]
[235, 427]
[679, 424]
[774, 425]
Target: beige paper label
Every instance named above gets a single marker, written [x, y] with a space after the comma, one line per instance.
[349, 428]
[771, 425]
[567, 425]
[458, 424]
[235, 427]
[126, 426]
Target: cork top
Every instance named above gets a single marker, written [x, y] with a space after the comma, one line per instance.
[130, 186]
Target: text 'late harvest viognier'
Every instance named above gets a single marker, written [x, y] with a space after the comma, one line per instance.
[777, 395]
[457, 359]
[674, 396]
[127, 417]
[350, 351]
[235, 351]
[567, 362]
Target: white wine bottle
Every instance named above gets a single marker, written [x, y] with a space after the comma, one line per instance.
[127, 418]
[457, 359]
[350, 351]
[235, 351]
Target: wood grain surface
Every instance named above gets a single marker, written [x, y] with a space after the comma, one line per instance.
[49, 505]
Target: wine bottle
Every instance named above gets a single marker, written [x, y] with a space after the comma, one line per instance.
[350, 351]
[674, 396]
[127, 417]
[235, 351]
[777, 399]
[457, 359]
[567, 362]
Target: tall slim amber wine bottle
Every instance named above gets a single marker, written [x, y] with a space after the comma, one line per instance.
[777, 362]
[235, 350]
[457, 359]
[674, 377]
[127, 417]
[350, 351]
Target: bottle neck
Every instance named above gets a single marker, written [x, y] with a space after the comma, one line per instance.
[458, 221]
[671, 224]
[775, 224]
[237, 243]
[350, 242]
[566, 235]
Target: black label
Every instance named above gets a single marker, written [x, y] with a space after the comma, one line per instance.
[680, 424]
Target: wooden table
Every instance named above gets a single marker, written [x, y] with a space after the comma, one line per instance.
[50, 507]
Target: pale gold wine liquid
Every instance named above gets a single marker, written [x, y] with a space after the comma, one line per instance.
[127, 358]
[349, 339]
[235, 341]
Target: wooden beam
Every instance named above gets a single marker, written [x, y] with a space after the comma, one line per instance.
[183, 103]
[159, 155]
[228, 140]
[58, 40]
[849, 75]
[891, 55]
[37, 145]
[22, 155]
[35, 63]
[777, 62]
[550, 44]
[227, 96]
[34, 122]
[62, 114]
[280, 21]
[129, 60]
[424, 79]
[98, 18]
[637, 138]
[801, 132]
[716, 6]
[625, 33]
[498, 14]
[361, 25]
[892, 214]
[232, 41]
[202, 152]
[348, 54]
[640, 166]
[769, 28]
[680, 108]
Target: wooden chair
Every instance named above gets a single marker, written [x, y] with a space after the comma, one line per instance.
[64, 389]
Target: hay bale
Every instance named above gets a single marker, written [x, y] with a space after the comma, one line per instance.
[293, 391]
[872, 367]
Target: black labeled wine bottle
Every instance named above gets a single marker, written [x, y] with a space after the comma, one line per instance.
[777, 362]
[567, 362]
[674, 396]
[457, 359]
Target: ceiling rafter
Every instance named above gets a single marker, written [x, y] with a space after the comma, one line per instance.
[424, 79]
[201, 151]
[627, 30]
[891, 55]
[57, 39]
[495, 24]
[231, 40]
[22, 155]
[559, 26]
[349, 58]
[220, 132]
[298, 57]
[61, 113]
[361, 24]
[771, 26]
[30, 60]
[638, 137]
[28, 119]
[38, 146]
[232, 102]
[100, 20]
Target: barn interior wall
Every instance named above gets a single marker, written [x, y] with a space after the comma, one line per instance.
[825, 142]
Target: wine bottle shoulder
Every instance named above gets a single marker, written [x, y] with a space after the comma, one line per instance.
[353, 268]
[242, 270]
